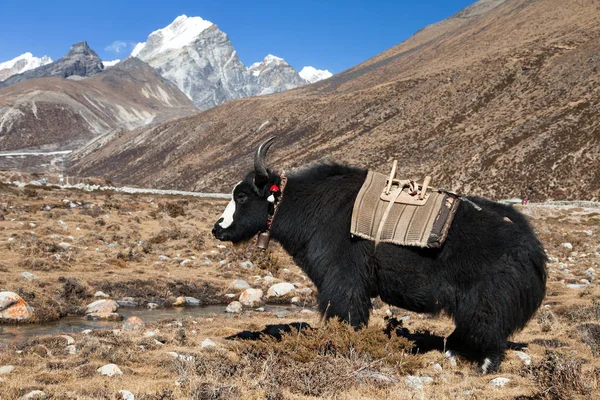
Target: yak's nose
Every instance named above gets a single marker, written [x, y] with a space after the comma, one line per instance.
[217, 228]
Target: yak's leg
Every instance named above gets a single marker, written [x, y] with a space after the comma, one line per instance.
[344, 293]
[480, 335]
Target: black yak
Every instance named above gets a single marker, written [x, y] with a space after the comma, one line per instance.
[489, 275]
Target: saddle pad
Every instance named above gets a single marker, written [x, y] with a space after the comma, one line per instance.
[407, 225]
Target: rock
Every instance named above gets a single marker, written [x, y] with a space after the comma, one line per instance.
[152, 306]
[208, 343]
[185, 262]
[133, 323]
[377, 376]
[187, 301]
[296, 300]
[280, 289]
[13, 308]
[437, 368]
[231, 295]
[590, 273]
[182, 357]
[584, 281]
[110, 370]
[234, 307]
[268, 279]
[127, 303]
[577, 286]
[205, 263]
[427, 380]
[239, 284]
[251, 297]
[567, 245]
[6, 369]
[414, 382]
[499, 382]
[102, 307]
[68, 338]
[104, 316]
[101, 295]
[34, 395]
[151, 333]
[247, 265]
[71, 349]
[126, 395]
[64, 245]
[524, 357]
[306, 291]
[28, 275]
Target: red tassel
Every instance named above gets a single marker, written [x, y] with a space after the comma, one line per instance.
[274, 188]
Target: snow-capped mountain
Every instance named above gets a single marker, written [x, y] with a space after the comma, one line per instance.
[199, 58]
[22, 63]
[312, 75]
[112, 63]
[80, 61]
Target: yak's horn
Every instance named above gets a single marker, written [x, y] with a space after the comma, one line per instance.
[260, 162]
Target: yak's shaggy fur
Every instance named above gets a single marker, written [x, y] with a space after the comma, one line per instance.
[489, 275]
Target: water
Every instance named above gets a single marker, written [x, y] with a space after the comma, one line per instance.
[11, 334]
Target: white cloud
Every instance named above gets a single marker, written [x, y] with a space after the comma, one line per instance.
[118, 46]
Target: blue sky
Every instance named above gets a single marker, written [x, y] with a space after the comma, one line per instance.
[327, 34]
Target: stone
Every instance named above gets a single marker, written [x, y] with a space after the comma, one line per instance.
[427, 380]
[152, 306]
[231, 295]
[251, 297]
[13, 308]
[28, 275]
[101, 295]
[34, 395]
[234, 307]
[64, 245]
[208, 343]
[306, 291]
[414, 382]
[110, 370]
[185, 262]
[187, 301]
[524, 357]
[499, 382]
[68, 338]
[296, 300]
[239, 284]
[151, 333]
[104, 316]
[567, 245]
[133, 323]
[247, 265]
[71, 349]
[102, 307]
[437, 368]
[376, 376]
[590, 273]
[127, 303]
[126, 395]
[6, 369]
[205, 263]
[182, 357]
[577, 286]
[280, 289]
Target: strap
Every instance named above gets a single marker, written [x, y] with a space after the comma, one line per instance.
[394, 195]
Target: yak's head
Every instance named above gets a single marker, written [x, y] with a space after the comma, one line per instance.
[248, 211]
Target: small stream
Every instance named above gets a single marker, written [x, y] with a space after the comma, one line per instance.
[10, 334]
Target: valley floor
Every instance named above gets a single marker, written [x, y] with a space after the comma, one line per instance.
[153, 249]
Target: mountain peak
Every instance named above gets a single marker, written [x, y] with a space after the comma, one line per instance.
[312, 75]
[181, 32]
[22, 63]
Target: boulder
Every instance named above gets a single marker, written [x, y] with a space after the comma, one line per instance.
[102, 307]
[152, 306]
[110, 370]
[247, 265]
[126, 395]
[133, 323]
[104, 317]
[187, 301]
[28, 275]
[251, 297]
[208, 343]
[34, 395]
[499, 382]
[234, 307]
[68, 338]
[280, 289]
[6, 369]
[239, 284]
[13, 308]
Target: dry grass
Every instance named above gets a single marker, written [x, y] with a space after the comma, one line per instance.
[140, 253]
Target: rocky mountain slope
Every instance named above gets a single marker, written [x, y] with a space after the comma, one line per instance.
[22, 63]
[80, 61]
[62, 114]
[199, 58]
[500, 100]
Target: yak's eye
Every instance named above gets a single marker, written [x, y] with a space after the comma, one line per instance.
[241, 197]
